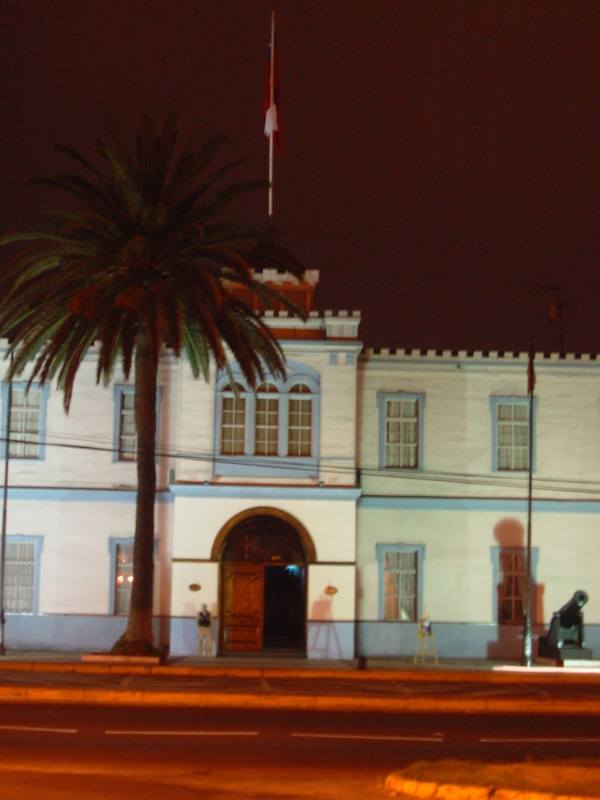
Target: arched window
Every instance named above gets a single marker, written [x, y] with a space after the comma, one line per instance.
[300, 420]
[269, 432]
[233, 421]
[266, 422]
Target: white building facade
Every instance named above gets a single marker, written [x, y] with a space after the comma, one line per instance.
[443, 454]
[323, 514]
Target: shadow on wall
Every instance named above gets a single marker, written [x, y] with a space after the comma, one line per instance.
[510, 569]
[324, 639]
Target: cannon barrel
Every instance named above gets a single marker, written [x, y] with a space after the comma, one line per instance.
[565, 639]
[570, 613]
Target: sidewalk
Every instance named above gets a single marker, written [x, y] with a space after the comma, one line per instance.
[385, 685]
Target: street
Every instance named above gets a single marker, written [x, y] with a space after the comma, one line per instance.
[60, 752]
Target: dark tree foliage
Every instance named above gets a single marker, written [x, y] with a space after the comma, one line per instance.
[149, 259]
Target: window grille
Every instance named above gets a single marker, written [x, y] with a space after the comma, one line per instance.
[123, 578]
[513, 436]
[300, 421]
[127, 433]
[233, 423]
[400, 585]
[401, 434]
[19, 577]
[511, 584]
[266, 425]
[25, 416]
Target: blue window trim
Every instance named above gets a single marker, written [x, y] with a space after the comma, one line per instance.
[495, 559]
[495, 401]
[120, 389]
[45, 390]
[282, 465]
[381, 550]
[38, 543]
[382, 398]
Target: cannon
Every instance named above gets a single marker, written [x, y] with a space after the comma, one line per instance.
[565, 639]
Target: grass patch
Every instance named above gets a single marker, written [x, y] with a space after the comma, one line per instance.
[573, 777]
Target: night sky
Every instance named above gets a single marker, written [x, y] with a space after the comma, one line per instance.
[441, 160]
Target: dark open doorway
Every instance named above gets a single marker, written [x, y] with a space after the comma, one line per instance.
[284, 608]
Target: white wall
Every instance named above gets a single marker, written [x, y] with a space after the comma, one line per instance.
[457, 571]
[330, 523]
[79, 446]
[458, 424]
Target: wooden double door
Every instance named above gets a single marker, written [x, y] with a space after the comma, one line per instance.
[264, 608]
[263, 586]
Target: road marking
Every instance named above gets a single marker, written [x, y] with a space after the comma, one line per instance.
[180, 733]
[367, 737]
[36, 729]
[543, 740]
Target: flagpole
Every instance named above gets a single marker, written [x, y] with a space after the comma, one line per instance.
[527, 644]
[271, 99]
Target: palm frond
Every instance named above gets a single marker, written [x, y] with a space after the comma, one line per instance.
[150, 222]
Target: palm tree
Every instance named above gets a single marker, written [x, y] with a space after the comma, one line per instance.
[146, 260]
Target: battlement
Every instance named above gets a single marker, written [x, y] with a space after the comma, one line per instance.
[478, 360]
[329, 325]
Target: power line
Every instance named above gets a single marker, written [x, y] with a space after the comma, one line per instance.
[506, 481]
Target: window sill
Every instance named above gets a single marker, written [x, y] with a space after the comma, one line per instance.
[292, 467]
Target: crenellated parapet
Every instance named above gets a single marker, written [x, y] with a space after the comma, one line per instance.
[340, 325]
[476, 359]
[475, 355]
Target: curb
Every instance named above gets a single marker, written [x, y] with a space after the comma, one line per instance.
[141, 666]
[217, 699]
[447, 791]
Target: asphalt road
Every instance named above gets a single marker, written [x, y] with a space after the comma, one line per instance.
[60, 752]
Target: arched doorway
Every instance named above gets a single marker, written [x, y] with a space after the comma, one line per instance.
[263, 559]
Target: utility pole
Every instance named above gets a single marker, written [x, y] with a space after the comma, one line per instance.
[527, 645]
[4, 508]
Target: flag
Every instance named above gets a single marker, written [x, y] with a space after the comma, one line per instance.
[272, 105]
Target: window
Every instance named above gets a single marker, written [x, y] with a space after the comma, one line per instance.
[511, 585]
[300, 420]
[233, 421]
[121, 556]
[513, 436]
[266, 426]
[400, 581]
[510, 434]
[27, 420]
[124, 435]
[400, 430]
[127, 435]
[271, 432]
[123, 578]
[21, 574]
[510, 572]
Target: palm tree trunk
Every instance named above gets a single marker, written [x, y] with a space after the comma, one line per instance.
[138, 637]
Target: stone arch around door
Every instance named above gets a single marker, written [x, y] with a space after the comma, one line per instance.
[263, 555]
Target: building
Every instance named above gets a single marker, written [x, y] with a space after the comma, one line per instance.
[323, 514]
